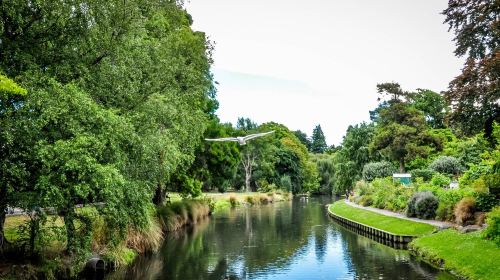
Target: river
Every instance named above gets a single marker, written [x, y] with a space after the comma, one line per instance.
[287, 240]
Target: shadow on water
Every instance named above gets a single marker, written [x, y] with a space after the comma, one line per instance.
[290, 240]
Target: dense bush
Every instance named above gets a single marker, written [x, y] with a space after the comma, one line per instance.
[422, 205]
[222, 188]
[425, 174]
[374, 170]
[492, 232]
[446, 165]
[382, 193]
[440, 180]
[485, 201]
[464, 211]
[447, 199]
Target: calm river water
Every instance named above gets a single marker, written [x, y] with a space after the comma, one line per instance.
[288, 240]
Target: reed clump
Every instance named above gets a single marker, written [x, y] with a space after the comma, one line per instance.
[181, 213]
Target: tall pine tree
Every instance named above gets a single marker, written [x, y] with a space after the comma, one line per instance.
[318, 144]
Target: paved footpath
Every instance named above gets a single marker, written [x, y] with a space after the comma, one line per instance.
[439, 224]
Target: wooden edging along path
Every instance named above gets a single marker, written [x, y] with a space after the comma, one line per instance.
[388, 238]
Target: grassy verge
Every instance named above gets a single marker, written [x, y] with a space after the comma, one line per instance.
[225, 201]
[467, 255]
[379, 221]
[181, 213]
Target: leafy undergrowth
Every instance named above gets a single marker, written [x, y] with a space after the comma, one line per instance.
[467, 255]
[379, 221]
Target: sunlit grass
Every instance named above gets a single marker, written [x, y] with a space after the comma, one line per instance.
[464, 253]
[389, 224]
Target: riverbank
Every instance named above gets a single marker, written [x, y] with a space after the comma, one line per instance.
[466, 255]
[226, 201]
[55, 263]
[385, 223]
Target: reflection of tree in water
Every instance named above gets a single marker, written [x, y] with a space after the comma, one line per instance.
[320, 242]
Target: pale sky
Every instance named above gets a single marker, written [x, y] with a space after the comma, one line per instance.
[303, 63]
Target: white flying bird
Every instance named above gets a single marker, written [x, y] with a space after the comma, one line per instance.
[241, 139]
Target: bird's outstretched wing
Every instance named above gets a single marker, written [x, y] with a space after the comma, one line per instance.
[222, 139]
[252, 136]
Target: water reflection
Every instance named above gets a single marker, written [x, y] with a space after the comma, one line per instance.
[293, 240]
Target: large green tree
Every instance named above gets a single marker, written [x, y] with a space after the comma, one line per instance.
[402, 132]
[474, 95]
[12, 170]
[352, 156]
[432, 104]
[120, 94]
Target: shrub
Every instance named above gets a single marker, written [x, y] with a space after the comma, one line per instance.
[425, 174]
[362, 188]
[366, 200]
[492, 232]
[440, 180]
[422, 205]
[222, 188]
[485, 201]
[492, 182]
[446, 165]
[444, 211]
[267, 188]
[375, 170]
[250, 200]
[233, 201]
[464, 211]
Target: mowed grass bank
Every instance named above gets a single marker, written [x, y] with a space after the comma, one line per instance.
[389, 224]
[465, 254]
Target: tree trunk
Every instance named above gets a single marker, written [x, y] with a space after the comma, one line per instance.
[248, 175]
[3, 241]
[248, 161]
[402, 166]
[159, 197]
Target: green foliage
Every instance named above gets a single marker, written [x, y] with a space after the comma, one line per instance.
[318, 141]
[325, 164]
[492, 232]
[402, 134]
[382, 193]
[446, 165]
[425, 174]
[485, 201]
[224, 187]
[440, 180]
[422, 205]
[304, 139]
[375, 170]
[352, 156]
[286, 183]
[432, 104]
[114, 113]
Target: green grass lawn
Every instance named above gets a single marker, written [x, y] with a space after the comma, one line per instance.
[466, 254]
[379, 221]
